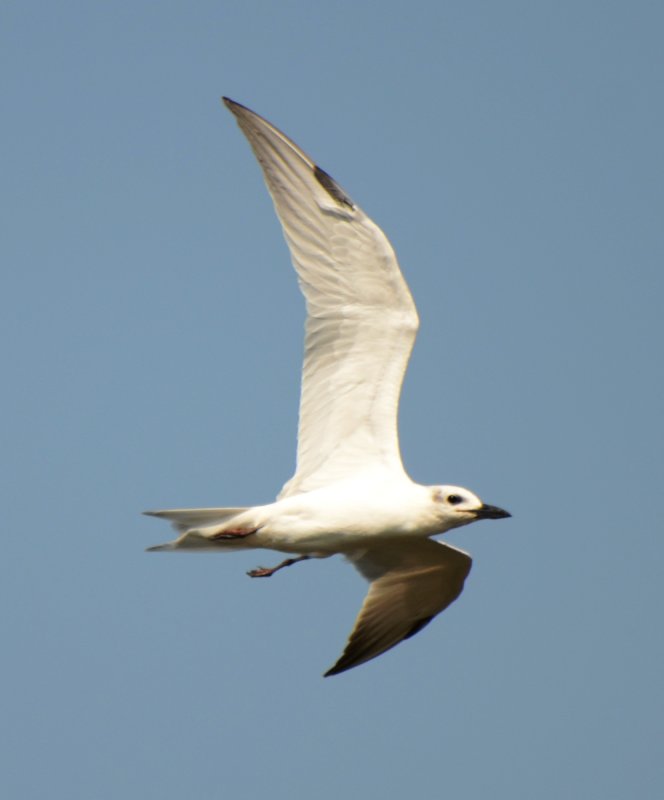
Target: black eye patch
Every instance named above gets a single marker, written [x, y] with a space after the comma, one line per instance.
[454, 499]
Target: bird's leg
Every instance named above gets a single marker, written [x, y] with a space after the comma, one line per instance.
[234, 533]
[265, 572]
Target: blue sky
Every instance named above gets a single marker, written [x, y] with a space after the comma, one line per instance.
[151, 342]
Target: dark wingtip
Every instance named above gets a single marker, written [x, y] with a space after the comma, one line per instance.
[332, 187]
[232, 105]
[342, 664]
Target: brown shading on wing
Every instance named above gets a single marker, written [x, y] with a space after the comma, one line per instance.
[411, 582]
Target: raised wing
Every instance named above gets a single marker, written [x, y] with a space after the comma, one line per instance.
[361, 321]
[411, 582]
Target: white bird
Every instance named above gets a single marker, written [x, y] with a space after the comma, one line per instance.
[350, 493]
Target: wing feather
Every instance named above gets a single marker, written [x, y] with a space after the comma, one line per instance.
[411, 582]
[361, 319]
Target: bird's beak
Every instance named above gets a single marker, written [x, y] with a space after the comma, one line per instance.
[491, 512]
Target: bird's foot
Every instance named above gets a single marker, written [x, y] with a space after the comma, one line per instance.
[265, 572]
[262, 572]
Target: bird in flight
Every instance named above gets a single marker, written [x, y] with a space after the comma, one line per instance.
[350, 494]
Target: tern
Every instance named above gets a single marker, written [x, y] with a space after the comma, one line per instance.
[350, 494]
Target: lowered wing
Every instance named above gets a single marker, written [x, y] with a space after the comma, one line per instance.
[411, 582]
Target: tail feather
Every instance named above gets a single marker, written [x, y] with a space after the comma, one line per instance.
[194, 540]
[198, 527]
[155, 548]
[183, 519]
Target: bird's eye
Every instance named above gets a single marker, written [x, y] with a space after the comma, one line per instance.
[454, 499]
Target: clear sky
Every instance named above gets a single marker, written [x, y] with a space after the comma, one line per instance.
[151, 336]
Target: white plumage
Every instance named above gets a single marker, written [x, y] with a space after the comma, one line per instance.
[350, 493]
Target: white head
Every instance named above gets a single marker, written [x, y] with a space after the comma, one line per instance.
[457, 506]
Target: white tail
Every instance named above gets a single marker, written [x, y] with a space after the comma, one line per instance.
[184, 518]
[198, 528]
